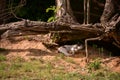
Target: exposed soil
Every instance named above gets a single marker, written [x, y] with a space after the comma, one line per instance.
[34, 46]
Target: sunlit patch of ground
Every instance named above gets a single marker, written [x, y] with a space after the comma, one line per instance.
[28, 56]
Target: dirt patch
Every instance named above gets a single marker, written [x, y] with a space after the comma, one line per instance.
[29, 47]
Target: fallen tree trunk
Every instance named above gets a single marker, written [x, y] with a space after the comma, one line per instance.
[65, 27]
[37, 27]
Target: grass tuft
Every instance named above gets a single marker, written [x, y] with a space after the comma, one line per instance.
[3, 57]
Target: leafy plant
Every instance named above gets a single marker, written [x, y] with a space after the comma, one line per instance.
[54, 10]
[95, 65]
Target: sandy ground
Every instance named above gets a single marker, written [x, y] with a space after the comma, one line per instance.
[29, 47]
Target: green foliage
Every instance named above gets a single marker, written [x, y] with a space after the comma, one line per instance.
[114, 76]
[15, 66]
[37, 70]
[51, 8]
[3, 66]
[3, 58]
[70, 60]
[54, 10]
[103, 75]
[19, 59]
[95, 65]
[62, 56]
[52, 18]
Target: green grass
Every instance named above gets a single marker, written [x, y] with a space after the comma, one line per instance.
[2, 58]
[69, 60]
[94, 65]
[19, 69]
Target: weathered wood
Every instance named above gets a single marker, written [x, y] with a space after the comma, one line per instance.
[22, 27]
[66, 27]
[63, 36]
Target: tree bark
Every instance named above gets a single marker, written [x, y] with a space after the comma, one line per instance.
[37, 27]
[66, 27]
[2, 10]
[64, 12]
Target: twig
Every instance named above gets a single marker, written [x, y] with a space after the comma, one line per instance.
[86, 46]
[85, 1]
[88, 11]
[21, 4]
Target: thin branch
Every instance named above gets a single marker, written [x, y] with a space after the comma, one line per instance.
[88, 11]
[21, 4]
[86, 44]
[85, 11]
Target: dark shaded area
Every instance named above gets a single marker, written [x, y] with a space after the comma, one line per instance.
[34, 10]
[33, 52]
[77, 7]
[113, 50]
[71, 42]
[96, 9]
[3, 51]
